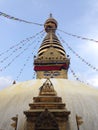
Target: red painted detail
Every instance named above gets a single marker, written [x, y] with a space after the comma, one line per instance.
[47, 68]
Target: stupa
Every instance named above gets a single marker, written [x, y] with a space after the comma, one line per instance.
[58, 103]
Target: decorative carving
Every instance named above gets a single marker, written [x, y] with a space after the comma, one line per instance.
[47, 88]
[46, 121]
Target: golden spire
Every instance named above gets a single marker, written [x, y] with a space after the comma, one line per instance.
[51, 60]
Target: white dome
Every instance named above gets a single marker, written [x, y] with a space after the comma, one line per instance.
[80, 99]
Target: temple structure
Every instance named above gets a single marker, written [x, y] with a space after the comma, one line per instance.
[58, 103]
[50, 62]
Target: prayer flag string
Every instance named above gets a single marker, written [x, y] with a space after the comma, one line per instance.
[80, 37]
[21, 43]
[29, 57]
[77, 55]
[17, 19]
[19, 48]
[3, 68]
[76, 77]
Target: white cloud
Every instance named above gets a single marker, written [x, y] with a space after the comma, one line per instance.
[5, 82]
[94, 80]
[89, 51]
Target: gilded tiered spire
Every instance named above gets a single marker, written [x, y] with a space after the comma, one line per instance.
[51, 61]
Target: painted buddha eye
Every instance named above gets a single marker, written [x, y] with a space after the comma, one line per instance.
[56, 73]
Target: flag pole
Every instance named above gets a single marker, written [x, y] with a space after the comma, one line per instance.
[16, 122]
[79, 121]
[77, 125]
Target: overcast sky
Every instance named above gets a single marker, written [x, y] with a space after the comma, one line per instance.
[78, 17]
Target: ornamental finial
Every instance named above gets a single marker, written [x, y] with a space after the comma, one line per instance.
[50, 15]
